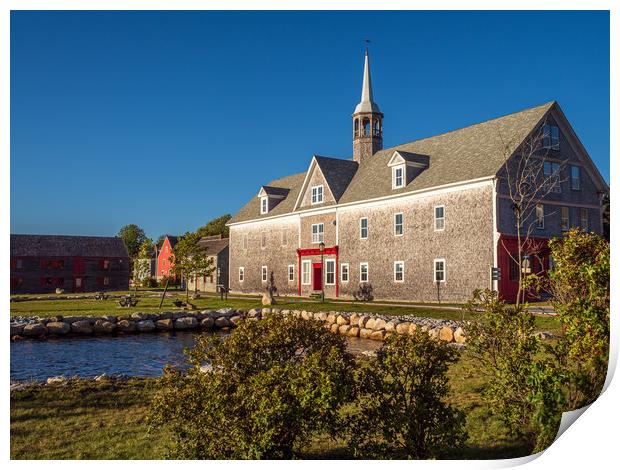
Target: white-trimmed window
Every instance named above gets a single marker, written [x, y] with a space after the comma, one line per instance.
[364, 227]
[318, 231]
[284, 237]
[291, 273]
[551, 173]
[264, 205]
[584, 219]
[575, 178]
[344, 272]
[551, 137]
[330, 272]
[540, 216]
[398, 224]
[263, 273]
[263, 239]
[317, 194]
[439, 268]
[399, 271]
[363, 272]
[241, 273]
[440, 218]
[305, 272]
[565, 212]
[398, 176]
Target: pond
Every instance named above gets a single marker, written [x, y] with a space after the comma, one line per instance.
[143, 355]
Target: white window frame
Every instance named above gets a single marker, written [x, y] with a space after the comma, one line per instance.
[264, 204]
[395, 184]
[402, 263]
[264, 273]
[263, 240]
[291, 273]
[317, 196]
[306, 264]
[362, 237]
[402, 224]
[443, 260]
[333, 263]
[365, 263]
[320, 234]
[344, 267]
[241, 274]
[436, 219]
[565, 227]
[540, 219]
[585, 226]
[575, 181]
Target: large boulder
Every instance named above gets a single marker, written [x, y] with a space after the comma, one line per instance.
[81, 327]
[412, 328]
[353, 332]
[366, 333]
[306, 315]
[58, 328]
[17, 328]
[344, 329]
[268, 299]
[380, 324]
[222, 322]
[369, 324]
[362, 321]
[378, 335]
[167, 324]
[145, 326]
[126, 326]
[235, 320]
[207, 323]
[342, 320]
[321, 316]
[354, 319]
[334, 327]
[446, 334]
[331, 318]
[403, 328]
[391, 325]
[104, 327]
[34, 329]
[186, 323]
[459, 335]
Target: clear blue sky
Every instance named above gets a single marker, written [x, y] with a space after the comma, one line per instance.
[168, 119]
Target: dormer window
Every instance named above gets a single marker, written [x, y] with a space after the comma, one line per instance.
[264, 205]
[317, 194]
[398, 176]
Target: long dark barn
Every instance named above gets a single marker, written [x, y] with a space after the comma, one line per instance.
[44, 263]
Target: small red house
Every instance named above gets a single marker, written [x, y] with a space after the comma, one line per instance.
[165, 257]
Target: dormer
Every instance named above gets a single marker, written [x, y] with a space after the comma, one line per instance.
[270, 197]
[405, 167]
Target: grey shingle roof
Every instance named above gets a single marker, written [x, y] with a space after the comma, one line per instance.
[213, 245]
[67, 245]
[464, 154]
[273, 191]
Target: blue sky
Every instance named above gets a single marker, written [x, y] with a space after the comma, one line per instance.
[168, 119]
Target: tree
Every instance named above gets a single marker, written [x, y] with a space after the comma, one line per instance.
[270, 387]
[402, 407]
[190, 260]
[606, 215]
[526, 178]
[215, 226]
[160, 241]
[133, 236]
[142, 265]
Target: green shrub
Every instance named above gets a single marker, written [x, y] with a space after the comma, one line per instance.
[401, 404]
[273, 384]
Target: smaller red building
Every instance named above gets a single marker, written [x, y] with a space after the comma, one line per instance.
[165, 257]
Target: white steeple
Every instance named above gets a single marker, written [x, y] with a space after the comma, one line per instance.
[367, 105]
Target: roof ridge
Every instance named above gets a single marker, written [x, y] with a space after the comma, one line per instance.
[549, 104]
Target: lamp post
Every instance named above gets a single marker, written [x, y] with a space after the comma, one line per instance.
[322, 249]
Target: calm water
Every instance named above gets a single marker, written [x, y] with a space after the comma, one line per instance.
[142, 355]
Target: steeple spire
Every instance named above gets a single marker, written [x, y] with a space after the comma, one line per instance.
[367, 105]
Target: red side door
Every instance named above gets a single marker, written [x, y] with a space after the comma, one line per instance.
[317, 276]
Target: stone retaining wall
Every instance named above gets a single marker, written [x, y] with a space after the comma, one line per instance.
[362, 325]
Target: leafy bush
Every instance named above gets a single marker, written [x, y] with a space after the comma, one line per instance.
[271, 385]
[402, 407]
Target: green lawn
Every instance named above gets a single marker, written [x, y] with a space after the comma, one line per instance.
[107, 420]
[149, 303]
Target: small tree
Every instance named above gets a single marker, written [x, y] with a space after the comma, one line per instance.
[271, 386]
[133, 237]
[142, 265]
[190, 260]
[402, 401]
[215, 226]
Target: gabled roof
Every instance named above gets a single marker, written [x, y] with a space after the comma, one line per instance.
[173, 239]
[465, 154]
[408, 158]
[67, 245]
[272, 191]
[213, 245]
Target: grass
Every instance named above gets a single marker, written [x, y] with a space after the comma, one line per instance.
[107, 420]
[149, 303]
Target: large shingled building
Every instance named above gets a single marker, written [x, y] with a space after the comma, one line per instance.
[44, 263]
[425, 220]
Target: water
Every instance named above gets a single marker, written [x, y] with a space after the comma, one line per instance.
[143, 355]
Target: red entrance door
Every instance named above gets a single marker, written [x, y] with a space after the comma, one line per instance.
[317, 276]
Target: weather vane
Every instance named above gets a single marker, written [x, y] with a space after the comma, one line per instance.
[367, 41]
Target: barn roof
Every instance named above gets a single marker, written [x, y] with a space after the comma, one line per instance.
[67, 245]
[213, 244]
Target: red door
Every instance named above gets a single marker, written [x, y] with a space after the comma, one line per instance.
[317, 276]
